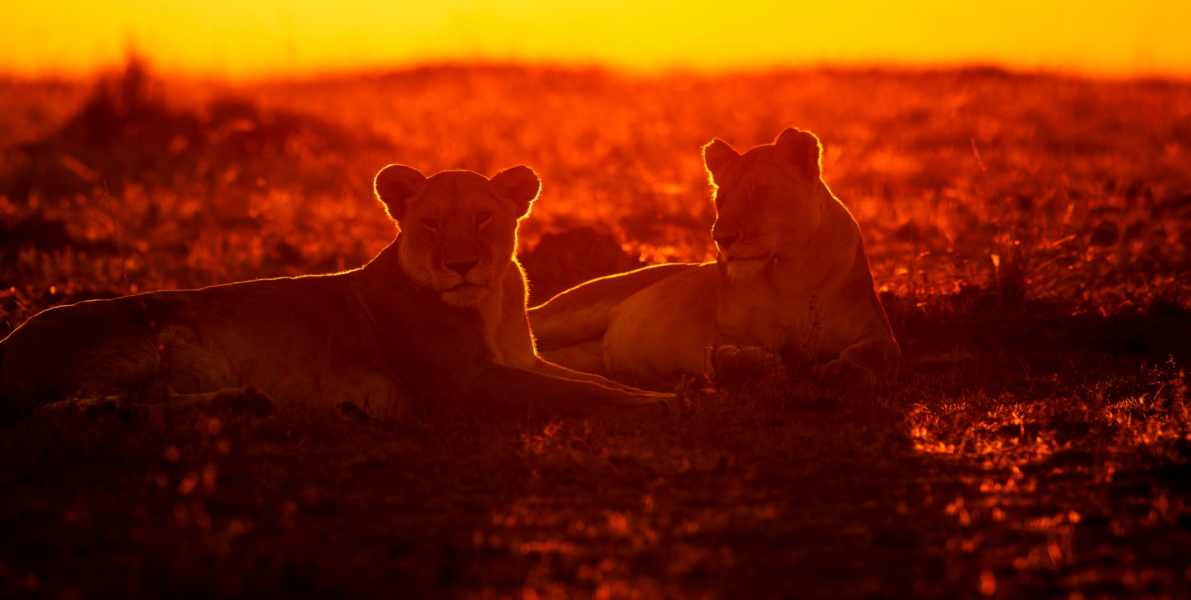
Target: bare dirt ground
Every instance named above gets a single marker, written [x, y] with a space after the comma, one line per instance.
[1030, 235]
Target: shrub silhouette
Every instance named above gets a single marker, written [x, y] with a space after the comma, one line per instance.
[127, 132]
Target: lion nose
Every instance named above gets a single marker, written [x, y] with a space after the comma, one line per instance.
[462, 266]
[726, 238]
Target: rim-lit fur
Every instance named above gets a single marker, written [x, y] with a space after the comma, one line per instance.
[791, 279]
[769, 202]
[436, 319]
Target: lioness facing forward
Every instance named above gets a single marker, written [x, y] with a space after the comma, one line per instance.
[791, 282]
[438, 316]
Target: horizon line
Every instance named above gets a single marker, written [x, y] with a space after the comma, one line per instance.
[659, 69]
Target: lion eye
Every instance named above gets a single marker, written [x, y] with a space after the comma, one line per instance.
[483, 219]
[430, 225]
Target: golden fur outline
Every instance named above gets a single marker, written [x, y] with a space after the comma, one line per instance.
[438, 316]
[791, 277]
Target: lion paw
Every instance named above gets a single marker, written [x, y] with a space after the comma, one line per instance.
[658, 401]
[847, 381]
[733, 366]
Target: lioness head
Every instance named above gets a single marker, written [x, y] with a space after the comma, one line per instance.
[458, 228]
[767, 200]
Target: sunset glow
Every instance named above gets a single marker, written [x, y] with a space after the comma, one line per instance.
[238, 39]
[350, 297]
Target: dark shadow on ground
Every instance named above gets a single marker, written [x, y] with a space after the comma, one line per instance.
[985, 468]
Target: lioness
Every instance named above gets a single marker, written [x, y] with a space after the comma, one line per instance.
[438, 315]
[790, 283]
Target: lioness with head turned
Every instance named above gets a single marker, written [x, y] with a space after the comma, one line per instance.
[437, 318]
[790, 285]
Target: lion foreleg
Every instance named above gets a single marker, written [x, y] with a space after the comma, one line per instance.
[552, 369]
[509, 390]
[238, 400]
[229, 400]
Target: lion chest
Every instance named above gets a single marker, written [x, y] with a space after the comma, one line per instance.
[505, 326]
[747, 314]
[491, 317]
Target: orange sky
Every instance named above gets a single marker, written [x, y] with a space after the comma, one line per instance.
[238, 38]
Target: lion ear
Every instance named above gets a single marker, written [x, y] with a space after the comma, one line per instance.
[718, 156]
[519, 185]
[394, 185]
[802, 150]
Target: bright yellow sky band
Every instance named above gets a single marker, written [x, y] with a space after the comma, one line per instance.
[243, 38]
